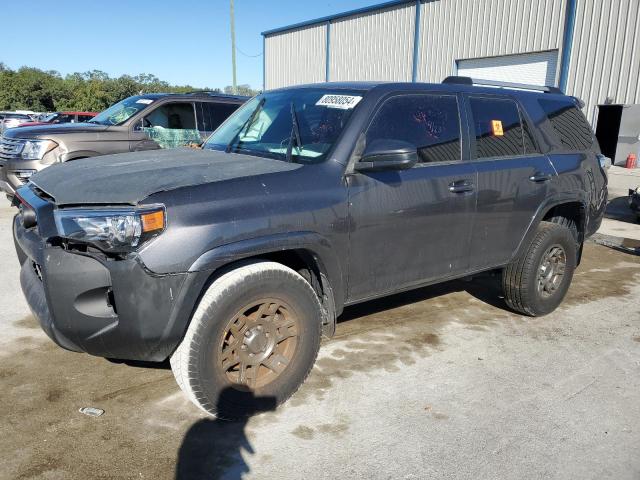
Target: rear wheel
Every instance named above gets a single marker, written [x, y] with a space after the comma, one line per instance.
[537, 281]
[252, 341]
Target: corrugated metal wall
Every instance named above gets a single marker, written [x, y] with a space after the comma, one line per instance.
[461, 29]
[605, 53]
[378, 45]
[373, 46]
[295, 57]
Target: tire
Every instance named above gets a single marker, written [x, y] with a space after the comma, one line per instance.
[526, 290]
[244, 301]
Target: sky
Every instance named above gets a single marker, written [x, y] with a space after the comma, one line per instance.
[181, 42]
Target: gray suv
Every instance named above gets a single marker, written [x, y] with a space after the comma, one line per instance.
[141, 122]
[232, 260]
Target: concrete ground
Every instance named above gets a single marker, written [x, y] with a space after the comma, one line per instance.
[442, 382]
[620, 221]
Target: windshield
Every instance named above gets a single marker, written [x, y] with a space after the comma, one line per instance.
[122, 111]
[299, 125]
[50, 118]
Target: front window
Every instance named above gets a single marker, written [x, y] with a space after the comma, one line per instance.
[122, 111]
[298, 125]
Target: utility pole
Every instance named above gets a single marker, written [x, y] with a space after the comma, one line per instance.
[233, 50]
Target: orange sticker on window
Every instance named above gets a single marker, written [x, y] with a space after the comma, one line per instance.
[496, 128]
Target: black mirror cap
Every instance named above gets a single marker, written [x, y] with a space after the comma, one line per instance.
[387, 154]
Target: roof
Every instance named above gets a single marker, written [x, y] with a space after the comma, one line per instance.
[419, 86]
[68, 112]
[329, 18]
[222, 96]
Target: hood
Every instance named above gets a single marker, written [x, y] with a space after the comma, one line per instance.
[128, 178]
[53, 129]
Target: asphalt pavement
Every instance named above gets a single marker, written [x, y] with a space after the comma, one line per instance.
[441, 382]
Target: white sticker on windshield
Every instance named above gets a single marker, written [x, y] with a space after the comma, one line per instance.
[345, 102]
[146, 101]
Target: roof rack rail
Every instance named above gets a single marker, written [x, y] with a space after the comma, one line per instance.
[493, 83]
[213, 93]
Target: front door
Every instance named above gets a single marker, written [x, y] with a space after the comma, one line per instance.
[513, 178]
[170, 125]
[412, 226]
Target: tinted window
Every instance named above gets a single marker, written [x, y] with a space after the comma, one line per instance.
[84, 118]
[430, 122]
[211, 115]
[497, 126]
[568, 122]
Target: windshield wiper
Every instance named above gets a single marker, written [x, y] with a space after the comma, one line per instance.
[245, 126]
[295, 133]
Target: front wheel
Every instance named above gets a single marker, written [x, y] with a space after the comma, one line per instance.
[537, 281]
[252, 341]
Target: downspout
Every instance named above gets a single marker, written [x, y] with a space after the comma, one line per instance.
[567, 42]
[264, 62]
[416, 42]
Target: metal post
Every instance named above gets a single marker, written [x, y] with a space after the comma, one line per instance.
[567, 41]
[416, 42]
[233, 50]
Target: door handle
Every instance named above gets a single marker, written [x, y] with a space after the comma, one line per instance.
[540, 177]
[461, 186]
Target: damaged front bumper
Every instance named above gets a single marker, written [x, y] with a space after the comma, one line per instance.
[101, 306]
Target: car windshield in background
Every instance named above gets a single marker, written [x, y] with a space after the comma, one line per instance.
[299, 125]
[122, 111]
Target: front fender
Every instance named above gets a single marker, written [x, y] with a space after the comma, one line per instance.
[312, 242]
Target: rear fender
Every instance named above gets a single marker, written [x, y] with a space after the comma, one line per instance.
[542, 211]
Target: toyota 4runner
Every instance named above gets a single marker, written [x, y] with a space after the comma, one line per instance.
[234, 259]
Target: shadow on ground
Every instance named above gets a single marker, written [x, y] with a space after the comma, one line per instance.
[213, 447]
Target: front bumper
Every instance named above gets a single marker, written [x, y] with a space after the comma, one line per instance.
[12, 173]
[104, 307]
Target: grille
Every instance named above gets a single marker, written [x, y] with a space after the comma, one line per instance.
[10, 148]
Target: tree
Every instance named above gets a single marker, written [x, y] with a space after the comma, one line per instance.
[38, 90]
[241, 90]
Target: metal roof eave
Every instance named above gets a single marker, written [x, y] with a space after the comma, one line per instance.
[329, 18]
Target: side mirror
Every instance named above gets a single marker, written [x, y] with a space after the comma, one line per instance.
[387, 154]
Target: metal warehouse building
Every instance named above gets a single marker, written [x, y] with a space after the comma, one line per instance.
[589, 48]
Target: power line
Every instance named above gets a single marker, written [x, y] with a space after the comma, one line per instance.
[247, 55]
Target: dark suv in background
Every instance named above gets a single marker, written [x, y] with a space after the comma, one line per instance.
[232, 260]
[141, 122]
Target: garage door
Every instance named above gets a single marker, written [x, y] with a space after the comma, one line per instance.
[531, 68]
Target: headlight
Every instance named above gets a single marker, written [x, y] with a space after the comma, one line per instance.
[118, 230]
[35, 149]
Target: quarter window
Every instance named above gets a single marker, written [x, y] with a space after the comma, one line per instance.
[498, 128]
[568, 122]
[430, 122]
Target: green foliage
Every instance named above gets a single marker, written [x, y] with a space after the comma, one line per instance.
[241, 90]
[33, 89]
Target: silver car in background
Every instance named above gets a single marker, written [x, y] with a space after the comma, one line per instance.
[12, 119]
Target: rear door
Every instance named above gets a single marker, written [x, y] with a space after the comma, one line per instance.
[513, 177]
[412, 226]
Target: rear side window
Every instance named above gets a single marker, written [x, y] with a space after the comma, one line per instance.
[430, 122]
[211, 115]
[498, 128]
[569, 124]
